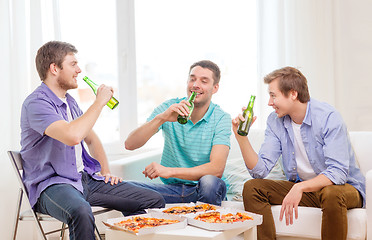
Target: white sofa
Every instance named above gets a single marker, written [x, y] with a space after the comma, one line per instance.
[308, 224]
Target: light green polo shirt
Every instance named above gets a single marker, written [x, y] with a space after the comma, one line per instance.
[190, 145]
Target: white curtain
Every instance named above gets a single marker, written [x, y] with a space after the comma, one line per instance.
[14, 75]
[21, 36]
[299, 34]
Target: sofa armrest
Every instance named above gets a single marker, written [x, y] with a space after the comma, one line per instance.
[131, 168]
[369, 203]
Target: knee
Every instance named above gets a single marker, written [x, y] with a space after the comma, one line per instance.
[81, 212]
[211, 183]
[159, 201]
[332, 197]
[211, 189]
[250, 187]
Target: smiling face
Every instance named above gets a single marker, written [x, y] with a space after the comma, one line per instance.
[201, 81]
[67, 75]
[283, 105]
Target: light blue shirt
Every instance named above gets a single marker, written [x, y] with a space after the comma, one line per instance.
[326, 141]
[190, 145]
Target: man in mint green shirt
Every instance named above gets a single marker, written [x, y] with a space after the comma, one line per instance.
[194, 154]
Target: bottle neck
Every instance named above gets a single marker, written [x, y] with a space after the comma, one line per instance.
[90, 82]
[251, 102]
[192, 97]
[250, 105]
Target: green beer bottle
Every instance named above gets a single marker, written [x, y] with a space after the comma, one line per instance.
[184, 119]
[248, 116]
[113, 103]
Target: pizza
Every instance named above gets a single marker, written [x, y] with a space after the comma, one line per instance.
[217, 217]
[193, 209]
[134, 224]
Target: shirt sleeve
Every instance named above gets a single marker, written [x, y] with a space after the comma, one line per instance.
[270, 150]
[223, 131]
[335, 149]
[41, 113]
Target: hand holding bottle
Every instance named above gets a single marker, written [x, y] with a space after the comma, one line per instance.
[183, 118]
[248, 117]
[104, 94]
[111, 103]
[236, 121]
[172, 113]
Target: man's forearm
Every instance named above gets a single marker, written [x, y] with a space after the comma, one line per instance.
[141, 135]
[72, 133]
[314, 184]
[84, 124]
[195, 173]
[97, 151]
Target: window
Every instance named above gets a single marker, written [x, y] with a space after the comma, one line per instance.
[169, 37]
[172, 35]
[90, 25]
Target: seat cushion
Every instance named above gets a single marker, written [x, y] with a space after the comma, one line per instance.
[308, 224]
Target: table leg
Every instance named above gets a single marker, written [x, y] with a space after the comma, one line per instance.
[251, 234]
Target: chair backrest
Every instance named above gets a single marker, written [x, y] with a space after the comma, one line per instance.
[16, 160]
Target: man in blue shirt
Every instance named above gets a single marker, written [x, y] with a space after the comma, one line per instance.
[194, 154]
[318, 159]
[61, 178]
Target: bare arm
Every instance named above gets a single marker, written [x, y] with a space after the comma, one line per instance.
[97, 151]
[215, 167]
[72, 133]
[314, 184]
[141, 135]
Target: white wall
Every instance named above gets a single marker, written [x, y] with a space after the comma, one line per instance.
[330, 42]
[353, 62]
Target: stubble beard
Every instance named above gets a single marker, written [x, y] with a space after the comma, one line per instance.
[65, 85]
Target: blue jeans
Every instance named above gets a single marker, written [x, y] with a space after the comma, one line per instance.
[67, 204]
[209, 189]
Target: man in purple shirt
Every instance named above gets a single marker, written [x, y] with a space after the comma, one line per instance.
[61, 178]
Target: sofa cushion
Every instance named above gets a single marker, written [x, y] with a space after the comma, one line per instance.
[308, 224]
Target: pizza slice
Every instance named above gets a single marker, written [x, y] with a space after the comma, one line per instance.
[217, 217]
[136, 223]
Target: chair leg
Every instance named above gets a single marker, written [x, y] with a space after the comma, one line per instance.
[97, 232]
[39, 227]
[63, 231]
[16, 220]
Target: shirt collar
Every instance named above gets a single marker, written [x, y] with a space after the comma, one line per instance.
[53, 96]
[209, 112]
[307, 120]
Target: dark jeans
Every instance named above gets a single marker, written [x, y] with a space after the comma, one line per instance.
[67, 204]
[210, 189]
[334, 200]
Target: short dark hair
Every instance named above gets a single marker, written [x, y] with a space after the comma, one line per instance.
[52, 52]
[290, 78]
[211, 66]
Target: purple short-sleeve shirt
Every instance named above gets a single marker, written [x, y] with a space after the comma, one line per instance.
[47, 161]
